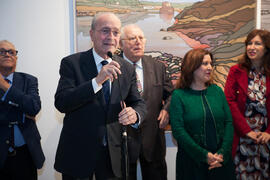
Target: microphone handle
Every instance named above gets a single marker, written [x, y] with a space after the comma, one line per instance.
[124, 132]
[122, 103]
[124, 127]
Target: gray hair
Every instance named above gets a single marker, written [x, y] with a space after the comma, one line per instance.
[123, 29]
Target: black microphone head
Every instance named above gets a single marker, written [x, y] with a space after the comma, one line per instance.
[109, 53]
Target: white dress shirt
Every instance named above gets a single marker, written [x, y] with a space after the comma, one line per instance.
[98, 61]
[139, 68]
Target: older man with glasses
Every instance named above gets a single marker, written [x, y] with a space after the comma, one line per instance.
[20, 150]
[148, 144]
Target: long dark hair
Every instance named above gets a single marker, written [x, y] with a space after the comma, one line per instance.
[192, 61]
[244, 60]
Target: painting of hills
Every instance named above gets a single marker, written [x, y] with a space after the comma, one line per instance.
[173, 27]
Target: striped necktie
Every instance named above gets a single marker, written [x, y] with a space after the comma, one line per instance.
[138, 82]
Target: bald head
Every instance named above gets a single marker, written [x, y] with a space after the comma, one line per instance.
[105, 33]
[101, 15]
[7, 42]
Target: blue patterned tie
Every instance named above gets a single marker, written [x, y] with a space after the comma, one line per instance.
[106, 86]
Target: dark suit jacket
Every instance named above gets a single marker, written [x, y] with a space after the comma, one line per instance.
[86, 113]
[157, 89]
[22, 98]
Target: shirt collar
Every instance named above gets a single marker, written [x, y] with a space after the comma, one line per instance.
[98, 59]
[9, 77]
[138, 63]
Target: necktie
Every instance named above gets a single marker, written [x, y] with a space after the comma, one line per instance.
[106, 86]
[138, 82]
[12, 145]
[106, 93]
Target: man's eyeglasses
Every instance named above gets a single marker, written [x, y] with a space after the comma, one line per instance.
[107, 31]
[11, 52]
[135, 38]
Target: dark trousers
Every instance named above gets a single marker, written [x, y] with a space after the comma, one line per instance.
[19, 166]
[103, 170]
[156, 170]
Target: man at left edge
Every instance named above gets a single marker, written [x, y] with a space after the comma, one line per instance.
[20, 149]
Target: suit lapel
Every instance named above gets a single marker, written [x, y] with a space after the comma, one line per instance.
[115, 86]
[18, 81]
[243, 80]
[89, 68]
[89, 71]
[147, 72]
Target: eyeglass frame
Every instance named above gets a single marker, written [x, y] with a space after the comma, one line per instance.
[11, 52]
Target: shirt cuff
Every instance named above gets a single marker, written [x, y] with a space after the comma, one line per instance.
[95, 85]
[138, 122]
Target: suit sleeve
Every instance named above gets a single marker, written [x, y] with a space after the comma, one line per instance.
[69, 96]
[231, 93]
[27, 100]
[167, 89]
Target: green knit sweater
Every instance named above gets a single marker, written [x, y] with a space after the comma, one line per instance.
[187, 116]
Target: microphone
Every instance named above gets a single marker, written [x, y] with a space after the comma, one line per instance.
[110, 55]
[124, 131]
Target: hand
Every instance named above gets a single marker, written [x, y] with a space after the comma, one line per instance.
[163, 118]
[127, 116]
[214, 160]
[263, 138]
[108, 71]
[4, 85]
[254, 136]
[30, 117]
[215, 164]
[214, 157]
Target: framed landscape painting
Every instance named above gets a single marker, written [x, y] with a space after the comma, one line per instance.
[173, 27]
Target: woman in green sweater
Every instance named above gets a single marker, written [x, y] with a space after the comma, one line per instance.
[201, 122]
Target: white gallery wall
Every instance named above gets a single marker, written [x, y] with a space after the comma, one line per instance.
[42, 31]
